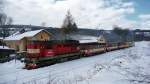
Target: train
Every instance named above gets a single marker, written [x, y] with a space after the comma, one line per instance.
[43, 53]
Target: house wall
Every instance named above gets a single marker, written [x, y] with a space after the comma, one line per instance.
[17, 45]
[42, 36]
[101, 40]
[13, 44]
[21, 44]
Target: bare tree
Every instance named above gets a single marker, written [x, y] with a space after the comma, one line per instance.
[4, 20]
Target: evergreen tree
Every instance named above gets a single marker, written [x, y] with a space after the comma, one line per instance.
[69, 26]
[121, 32]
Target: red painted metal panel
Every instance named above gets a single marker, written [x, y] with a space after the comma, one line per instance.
[48, 53]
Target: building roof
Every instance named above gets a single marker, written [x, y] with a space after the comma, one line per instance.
[1, 38]
[4, 47]
[112, 37]
[84, 38]
[25, 34]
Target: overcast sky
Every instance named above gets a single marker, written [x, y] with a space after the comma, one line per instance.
[102, 14]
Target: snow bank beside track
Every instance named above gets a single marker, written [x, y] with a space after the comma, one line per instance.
[125, 66]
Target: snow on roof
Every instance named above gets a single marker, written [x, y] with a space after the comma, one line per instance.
[16, 33]
[21, 36]
[1, 38]
[87, 40]
[4, 47]
[84, 38]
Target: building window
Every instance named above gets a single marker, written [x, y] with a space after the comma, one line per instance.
[41, 37]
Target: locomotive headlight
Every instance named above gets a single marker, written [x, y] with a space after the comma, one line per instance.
[33, 51]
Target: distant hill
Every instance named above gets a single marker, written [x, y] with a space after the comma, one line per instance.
[57, 34]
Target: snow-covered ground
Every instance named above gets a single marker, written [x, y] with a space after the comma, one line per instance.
[126, 66]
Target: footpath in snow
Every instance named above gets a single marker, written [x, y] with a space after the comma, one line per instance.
[126, 66]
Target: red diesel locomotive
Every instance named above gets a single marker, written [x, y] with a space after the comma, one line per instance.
[42, 53]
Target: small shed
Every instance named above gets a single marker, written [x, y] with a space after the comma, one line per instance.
[20, 41]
